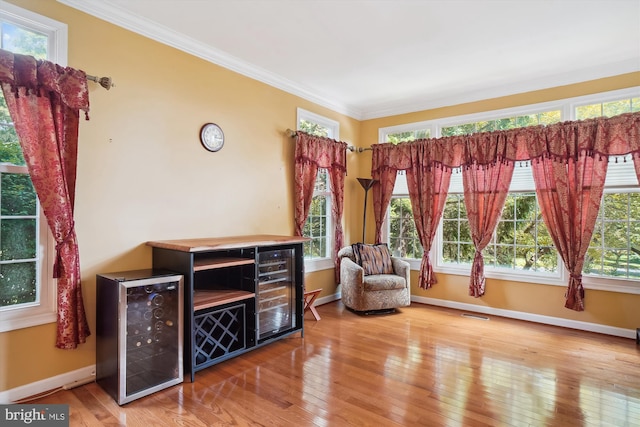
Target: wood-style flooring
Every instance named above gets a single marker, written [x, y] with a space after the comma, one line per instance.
[422, 366]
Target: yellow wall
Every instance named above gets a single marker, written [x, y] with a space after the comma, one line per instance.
[143, 175]
[606, 308]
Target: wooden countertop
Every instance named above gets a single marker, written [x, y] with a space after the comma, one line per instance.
[233, 242]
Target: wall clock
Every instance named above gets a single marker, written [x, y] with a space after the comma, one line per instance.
[212, 137]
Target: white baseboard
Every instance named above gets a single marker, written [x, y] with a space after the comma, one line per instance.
[327, 299]
[537, 318]
[67, 380]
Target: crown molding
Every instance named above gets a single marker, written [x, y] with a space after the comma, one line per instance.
[122, 18]
[147, 28]
[462, 97]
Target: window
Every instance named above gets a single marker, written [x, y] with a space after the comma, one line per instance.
[401, 229]
[521, 242]
[27, 292]
[318, 226]
[521, 248]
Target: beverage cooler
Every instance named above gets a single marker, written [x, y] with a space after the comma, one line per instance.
[139, 332]
[275, 298]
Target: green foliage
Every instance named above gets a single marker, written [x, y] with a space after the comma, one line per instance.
[396, 138]
[316, 228]
[614, 249]
[313, 128]
[17, 283]
[404, 241]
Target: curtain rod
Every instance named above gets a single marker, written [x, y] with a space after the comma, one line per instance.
[292, 133]
[105, 82]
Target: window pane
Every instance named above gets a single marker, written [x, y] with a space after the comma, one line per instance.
[403, 236]
[610, 109]
[614, 249]
[485, 126]
[450, 231]
[398, 137]
[524, 121]
[17, 283]
[450, 253]
[550, 117]
[489, 255]
[547, 258]
[17, 196]
[505, 256]
[504, 233]
[506, 123]
[10, 150]
[459, 130]
[467, 252]
[20, 40]
[313, 128]
[465, 231]
[588, 111]
[17, 239]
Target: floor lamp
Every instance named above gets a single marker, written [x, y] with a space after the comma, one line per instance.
[366, 183]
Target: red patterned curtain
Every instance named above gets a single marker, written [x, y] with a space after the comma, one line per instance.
[385, 176]
[486, 187]
[580, 147]
[428, 183]
[312, 153]
[569, 185]
[44, 100]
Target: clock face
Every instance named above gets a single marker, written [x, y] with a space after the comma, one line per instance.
[212, 137]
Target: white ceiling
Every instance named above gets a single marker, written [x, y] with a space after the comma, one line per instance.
[373, 58]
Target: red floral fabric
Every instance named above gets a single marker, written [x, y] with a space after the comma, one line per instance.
[44, 100]
[312, 153]
[385, 178]
[569, 193]
[572, 152]
[486, 187]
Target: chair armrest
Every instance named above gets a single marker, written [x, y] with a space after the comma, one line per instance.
[351, 274]
[402, 268]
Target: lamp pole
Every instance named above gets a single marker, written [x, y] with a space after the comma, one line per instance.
[366, 183]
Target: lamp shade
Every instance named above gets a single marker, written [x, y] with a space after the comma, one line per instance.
[366, 183]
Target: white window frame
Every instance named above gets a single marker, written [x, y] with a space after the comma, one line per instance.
[333, 127]
[567, 107]
[44, 310]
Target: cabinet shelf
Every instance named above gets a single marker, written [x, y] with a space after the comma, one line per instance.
[211, 298]
[202, 264]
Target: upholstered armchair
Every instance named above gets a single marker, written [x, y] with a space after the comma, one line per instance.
[373, 280]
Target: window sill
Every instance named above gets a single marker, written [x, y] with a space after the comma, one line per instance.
[318, 264]
[588, 282]
[26, 321]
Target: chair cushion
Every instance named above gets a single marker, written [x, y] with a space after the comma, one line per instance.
[374, 259]
[383, 282]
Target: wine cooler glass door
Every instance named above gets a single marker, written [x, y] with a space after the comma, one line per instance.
[275, 299]
[152, 350]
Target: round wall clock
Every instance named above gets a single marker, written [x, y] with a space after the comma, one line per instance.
[212, 137]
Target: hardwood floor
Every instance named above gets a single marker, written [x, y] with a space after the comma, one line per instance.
[423, 366]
